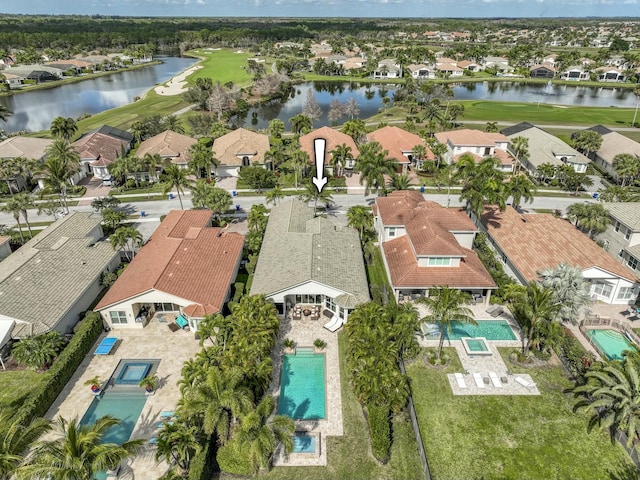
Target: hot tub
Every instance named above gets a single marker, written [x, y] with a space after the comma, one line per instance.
[476, 346]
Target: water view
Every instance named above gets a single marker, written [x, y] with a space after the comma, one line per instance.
[370, 98]
[34, 111]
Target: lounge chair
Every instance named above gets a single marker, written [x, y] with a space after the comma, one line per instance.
[429, 329]
[167, 414]
[495, 380]
[494, 310]
[334, 324]
[478, 379]
[525, 383]
[460, 380]
[105, 346]
[182, 322]
[153, 441]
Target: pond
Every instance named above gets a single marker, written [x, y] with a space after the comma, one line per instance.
[34, 111]
[370, 98]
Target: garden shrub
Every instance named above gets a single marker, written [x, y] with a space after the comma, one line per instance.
[233, 459]
[63, 368]
[573, 355]
[238, 290]
[380, 429]
[201, 467]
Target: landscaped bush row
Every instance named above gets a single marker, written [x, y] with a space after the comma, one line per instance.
[232, 460]
[380, 428]
[573, 355]
[63, 368]
[492, 264]
[201, 465]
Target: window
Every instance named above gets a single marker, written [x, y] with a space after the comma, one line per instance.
[602, 289]
[439, 261]
[617, 226]
[245, 161]
[118, 318]
[625, 293]
[632, 262]
[620, 252]
[627, 234]
[392, 232]
[328, 302]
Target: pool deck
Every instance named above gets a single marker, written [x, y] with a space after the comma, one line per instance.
[304, 332]
[155, 341]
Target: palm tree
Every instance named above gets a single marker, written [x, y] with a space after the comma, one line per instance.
[356, 129]
[627, 166]
[173, 123]
[446, 304]
[301, 123]
[61, 164]
[126, 239]
[178, 444]
[482, 184]
[520, 148]
[419, 153]
[78, 453]
[23, 202]
[202, 159]
[339, 158]
[591, 218]
[13, 207]
[520, 187]
[432, 112]
[439, 150]
[16, 439]
[373, 165]
[64, 128]
[570, 290]
[491, 127]
[274, 195]
[360, 217]
[587, 141]
[259, 434]
[299, 161]
[535, 308]
[612, 394]
[218, 402]
[399, 182]
[176, 177]
[310, 192]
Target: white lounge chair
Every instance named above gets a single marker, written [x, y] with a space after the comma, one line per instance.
[334, 324]
[429, 329]
[478, 379]
[460, 380]
[495, 380]
[525, 383]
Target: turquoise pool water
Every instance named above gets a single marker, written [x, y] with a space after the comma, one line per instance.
[489, 329]
[304, 443]
[302, 387]
[124, 406]
[610, 342]
[477, 345]
[133, 372]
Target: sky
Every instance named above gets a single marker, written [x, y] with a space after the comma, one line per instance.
[329, 8]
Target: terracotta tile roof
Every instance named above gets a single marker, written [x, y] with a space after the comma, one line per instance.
[468, 137]
[397, 142]
[230, 148]
[405, 272]
[101, 148]
[548, 66]
[167, 144]
[533, 242]
[334, 139]
[185, 258]
[20, 146]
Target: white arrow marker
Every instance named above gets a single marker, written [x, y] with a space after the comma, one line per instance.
[320, 180]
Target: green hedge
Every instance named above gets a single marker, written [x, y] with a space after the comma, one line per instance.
[380, 429]
[63, 368]
[238, 291]
[201, 467]
[574, 356]
[231, 459]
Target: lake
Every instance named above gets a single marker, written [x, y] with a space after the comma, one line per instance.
[34, 111]
[369, 97]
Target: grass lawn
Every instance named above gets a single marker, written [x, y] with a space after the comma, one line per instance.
[349, 456]
[509, 436]
[223, 66]
[376, 272]
[16, 386]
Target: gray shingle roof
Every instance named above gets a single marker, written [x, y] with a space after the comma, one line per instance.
[42, 280]
[627, 213]
[298, 248]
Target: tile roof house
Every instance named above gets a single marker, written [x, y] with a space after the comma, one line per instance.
[575, 72]
[99, 148]
[530, 243]
[185, 268]
[311, 261]
[170, 146]
[544, 70]
[425, 245]
[610, 74]
[421, 71]
[546, 148]
[613, 143]
[334, 138]
[53, 278]
[239, 148]
[400, 144]
[477, 143]
[387, 68]
[23, 147]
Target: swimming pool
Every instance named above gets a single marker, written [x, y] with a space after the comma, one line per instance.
[304, 443]
[302, 386]
[610, 342]
[133, 372]
[488, 329]
[124, 406]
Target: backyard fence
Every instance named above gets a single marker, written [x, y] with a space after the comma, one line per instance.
[416, 431]
[598, 321]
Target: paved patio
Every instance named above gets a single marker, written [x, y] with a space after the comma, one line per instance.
[304, 332]
[155, 341]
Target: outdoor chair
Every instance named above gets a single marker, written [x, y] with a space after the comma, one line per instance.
[478, 379]
[460, 380]
[495, 380]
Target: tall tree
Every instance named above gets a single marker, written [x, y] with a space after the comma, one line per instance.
[311, 193]
[173, 123]
[591, 218]
[482, 184]
[176, 177]
[78, 453]
[360, 217]
[520, 148]
[202, 159]
[445, 305]
[64, 128]
[520, 188]
[127, 240]
[16, 439]
[301, 123]
[356, 129]
[627, 166]
[535, 308]
[340, 155]
[274, 195]
[178, 443]
[570, 290]
[61, 164]
[373, 165]
[587, 141]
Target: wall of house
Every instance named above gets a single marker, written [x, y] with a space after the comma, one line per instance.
[5, 250]
[465, 239]
[615, 287]
[308, 288]
[616, 241]
[605, 165]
